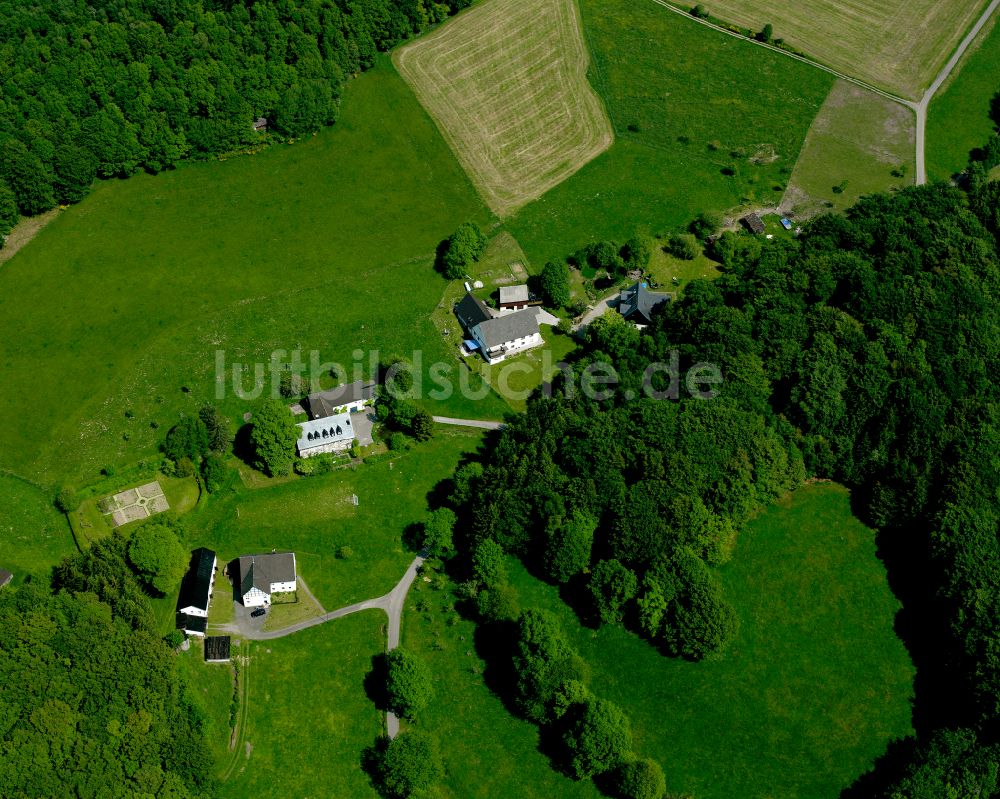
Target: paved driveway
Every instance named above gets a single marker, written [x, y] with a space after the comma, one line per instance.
[361, 421]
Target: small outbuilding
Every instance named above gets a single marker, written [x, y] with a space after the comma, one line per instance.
[5, 577]
[786, 223]
[348, 398]
[260, 124]
[217, 649]
[513, 298]
[753, 223]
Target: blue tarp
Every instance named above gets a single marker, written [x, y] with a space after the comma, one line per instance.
[471, 345]
[786, 224]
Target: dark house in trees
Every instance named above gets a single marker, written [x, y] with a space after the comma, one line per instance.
[753, 223]
[196, 592]
[637, 303]
[471, 311]
[260, 124]
[5, 577]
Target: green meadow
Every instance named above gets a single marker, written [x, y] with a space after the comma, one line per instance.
[809, 695]
[958, 119]
[315, 517]
[702, 122]
[121, 304]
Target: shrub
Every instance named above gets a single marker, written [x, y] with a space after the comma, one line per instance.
[683, 246]
[598, 737]
[705, 225]
[409, 685]
[214, 472]
[408, 764]
[498, 604]
[397, 442]
[184, 467]
[344, 553]
[641, 779]
[67, 500]
[174, 638]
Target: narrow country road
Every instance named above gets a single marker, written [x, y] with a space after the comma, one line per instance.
[925, 101]
[483, 425]
[391, 603]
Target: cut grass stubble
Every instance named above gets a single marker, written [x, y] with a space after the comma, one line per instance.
[506, 83]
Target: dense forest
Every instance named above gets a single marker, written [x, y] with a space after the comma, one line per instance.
[93, 704]
[111, 87]
[867, 351]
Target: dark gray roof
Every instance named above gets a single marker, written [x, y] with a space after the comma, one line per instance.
[637, 303]
[471, 311]
[194, 587]
[5, 577]
[496, 332]
[325, 403]
[754, 223]
[259, 571]
[217, 648]
[193, 624]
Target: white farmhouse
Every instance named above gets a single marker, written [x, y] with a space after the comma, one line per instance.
[264, 575]
[329, 434]
[508, 334]
[196, 592]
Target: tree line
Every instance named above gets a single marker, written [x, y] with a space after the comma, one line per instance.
[867, 350]
[110, 88]
[93, 703]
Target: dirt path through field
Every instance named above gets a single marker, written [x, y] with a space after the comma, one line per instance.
[25, 231]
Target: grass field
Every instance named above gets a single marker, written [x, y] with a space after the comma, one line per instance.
[811, 692]
[121, 303]
[34, 536]
[898, 45]
[506, 84]
[315, 516]
[958, 119]
[695, 117]
[856, 143]
[308, 718]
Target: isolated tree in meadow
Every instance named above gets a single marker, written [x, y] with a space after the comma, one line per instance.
[8, 210]
[641, 779]
[220, 431]
[186, 439]
[568, 545]
[409, 765]
[555, 284]
[612, 586]
[706, 224]
[422, 425]
[463, 248]
[439, 528]
[598, 737]
[273, 437]
[683, 246]
[637, 251]
[158, 556]
[409, 684]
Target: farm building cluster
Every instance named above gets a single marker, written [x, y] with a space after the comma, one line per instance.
[511, 329]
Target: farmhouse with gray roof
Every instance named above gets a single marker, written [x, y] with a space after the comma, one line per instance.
[507, 335]
[329, 434]
[263, 575]
[351, 397]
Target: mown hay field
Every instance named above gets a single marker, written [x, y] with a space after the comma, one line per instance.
[899, 45]
[506, 83]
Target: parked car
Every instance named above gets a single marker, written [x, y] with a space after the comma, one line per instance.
[258, 612]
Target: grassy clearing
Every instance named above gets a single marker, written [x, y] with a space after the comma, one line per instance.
[855, 145]
[324, 245]
[309, 718]
[665, 267]
[694, 115]
[315, 516]
[958, 119]
[284, 613]
[813, 689]
[34, 536]
[506, 83]
[211, 684]
[899, 45]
